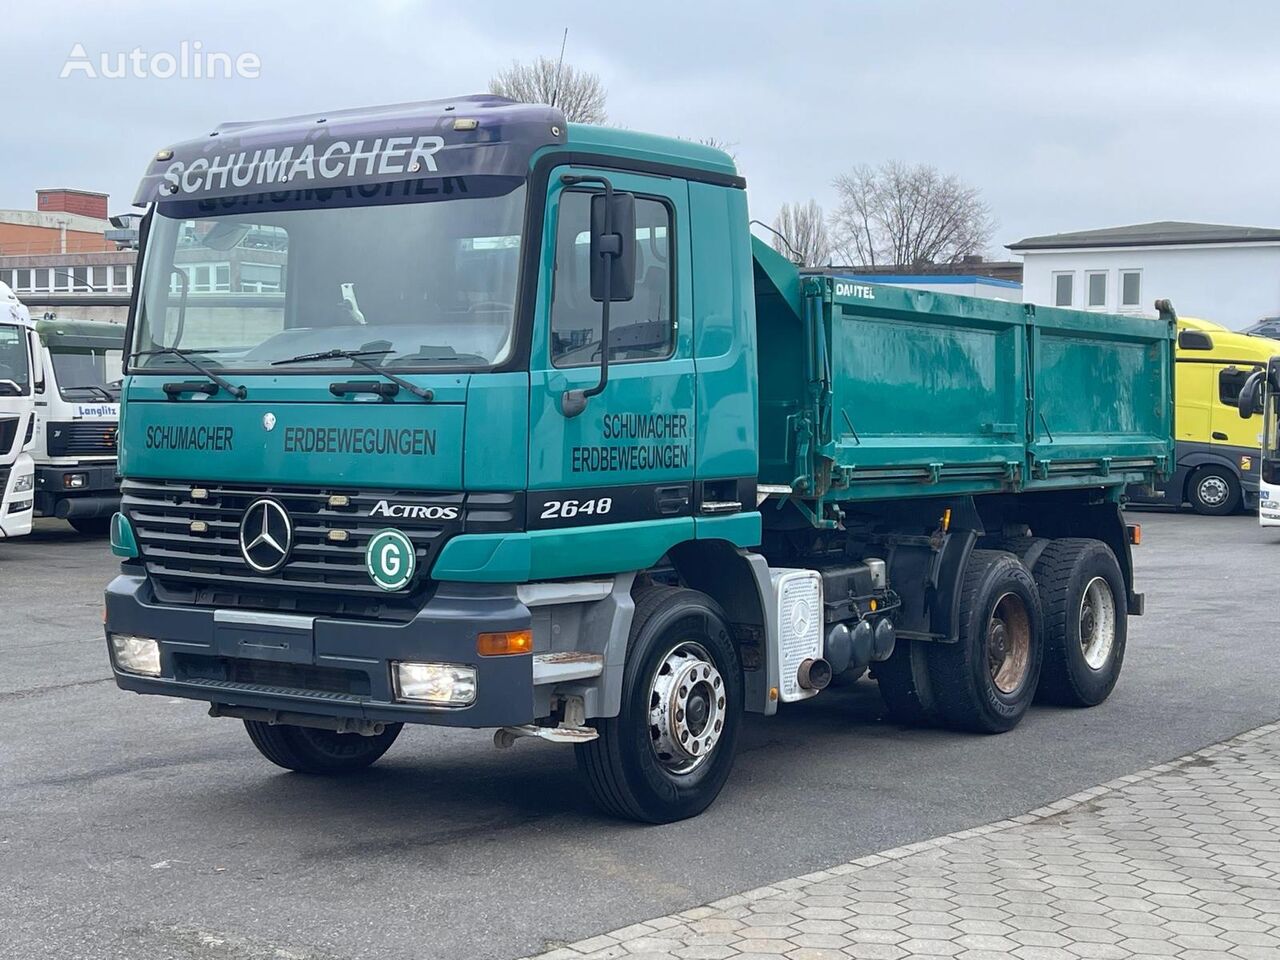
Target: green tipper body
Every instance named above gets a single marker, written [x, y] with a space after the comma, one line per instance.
[873, 392]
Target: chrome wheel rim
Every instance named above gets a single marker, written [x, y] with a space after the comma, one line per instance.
[1097, 623]
[1008, 643]
[686, 708]
[1213, 491]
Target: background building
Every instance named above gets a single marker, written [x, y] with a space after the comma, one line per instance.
[64, 257]
[1227, 274]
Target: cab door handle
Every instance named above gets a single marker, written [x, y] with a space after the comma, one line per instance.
[1219, 436]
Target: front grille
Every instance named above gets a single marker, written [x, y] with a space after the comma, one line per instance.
[8, 430]
[4, 479]
[321, 575]
[81, 438]
[268, 675]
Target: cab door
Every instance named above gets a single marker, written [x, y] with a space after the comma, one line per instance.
[628, 457]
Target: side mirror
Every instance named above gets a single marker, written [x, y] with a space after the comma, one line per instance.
[1250, 400]
[1194, 340]
[37, 362]
[613, 238]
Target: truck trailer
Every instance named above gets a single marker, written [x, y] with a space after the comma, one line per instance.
[79, 408]
[479, 418]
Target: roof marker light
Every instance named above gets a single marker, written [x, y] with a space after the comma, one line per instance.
[465, 123]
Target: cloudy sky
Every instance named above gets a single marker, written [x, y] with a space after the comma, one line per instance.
[1067, 115]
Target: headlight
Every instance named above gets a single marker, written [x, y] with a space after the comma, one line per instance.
[24, 483]
[1271, 504]
[136, 654]
[442, 684]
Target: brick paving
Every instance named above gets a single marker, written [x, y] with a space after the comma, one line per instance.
[1181, 860]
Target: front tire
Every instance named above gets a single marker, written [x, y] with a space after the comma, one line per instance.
[92, 526]
[986, 680]
[1214, 491]
[668, 753]
[1085, 615]
[325, 752]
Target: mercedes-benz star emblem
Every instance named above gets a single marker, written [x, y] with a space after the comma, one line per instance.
[268, 422]
[266, 536]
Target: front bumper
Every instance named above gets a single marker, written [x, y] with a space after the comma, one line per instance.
[323, 666]
[99, 497]
[16, 505]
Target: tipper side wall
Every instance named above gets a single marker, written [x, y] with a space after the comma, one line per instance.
[874, 392]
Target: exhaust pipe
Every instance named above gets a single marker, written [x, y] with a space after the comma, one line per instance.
[814, 674]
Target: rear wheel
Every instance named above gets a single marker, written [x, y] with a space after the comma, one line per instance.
[1085, 614]
[669, 751]
[904, 685]
[308, 750]
[1213, 491]
[92, 526]
[986, 679]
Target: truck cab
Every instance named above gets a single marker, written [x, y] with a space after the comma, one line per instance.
[1260, 398]
[1217, 469]
[19, 379]
[79, 410]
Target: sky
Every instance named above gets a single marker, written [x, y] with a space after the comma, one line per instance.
[1065, 115]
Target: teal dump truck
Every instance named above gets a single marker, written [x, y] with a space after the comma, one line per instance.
[455, 413]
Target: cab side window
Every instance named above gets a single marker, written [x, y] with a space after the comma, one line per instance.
[640, 328]
[1230, 383]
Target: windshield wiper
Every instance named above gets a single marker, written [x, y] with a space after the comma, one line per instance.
[358, 357]
[239, 392]
[100, 392]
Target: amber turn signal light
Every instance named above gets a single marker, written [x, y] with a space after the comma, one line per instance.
[1135, 533]
[504, 644]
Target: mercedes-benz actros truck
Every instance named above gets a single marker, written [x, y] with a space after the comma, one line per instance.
[455, 413]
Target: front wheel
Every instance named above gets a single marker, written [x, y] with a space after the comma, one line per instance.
[91, 526]
[308, 750]
[987, 678]
[1213, 491]
[668, 753]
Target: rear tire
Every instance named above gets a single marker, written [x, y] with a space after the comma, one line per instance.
[1214, 491]
[904, 685]
[1085, 615]
[308, 750]
[668, 753]
[92, 526]
[986, 680]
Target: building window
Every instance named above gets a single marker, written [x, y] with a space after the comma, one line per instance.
[261, 278]
[119, 277]
[1130, 288]
[1096, 289]
[1063, 289]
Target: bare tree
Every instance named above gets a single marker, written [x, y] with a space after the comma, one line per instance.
[578, 93]
[903, 215]
[805, 232]
[718, 144]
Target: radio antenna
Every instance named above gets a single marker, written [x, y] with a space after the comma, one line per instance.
[555, 94]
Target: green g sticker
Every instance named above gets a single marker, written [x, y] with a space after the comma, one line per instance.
[390, 559]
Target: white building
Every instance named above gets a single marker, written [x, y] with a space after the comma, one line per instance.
[1230, 275]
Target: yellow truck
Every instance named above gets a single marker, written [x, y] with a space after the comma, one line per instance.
[1216, 450]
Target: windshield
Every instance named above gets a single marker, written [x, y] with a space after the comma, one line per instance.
[89, 372]
[422, 274]
[15, 367]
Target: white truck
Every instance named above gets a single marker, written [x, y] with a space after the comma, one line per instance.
[19, 377]
[79, 411]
